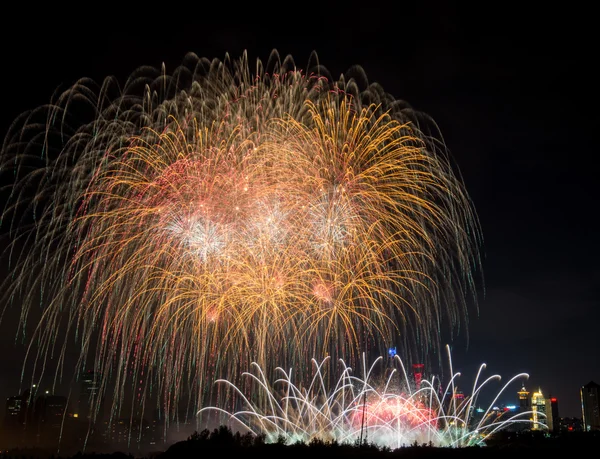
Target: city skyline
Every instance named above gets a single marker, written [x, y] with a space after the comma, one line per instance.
[48, 420]
[515, 107]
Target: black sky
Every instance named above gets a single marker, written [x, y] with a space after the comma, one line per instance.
[512, 87]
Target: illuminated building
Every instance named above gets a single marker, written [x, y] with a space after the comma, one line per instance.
[538, 411]
[418, 374]
[524, 400]
[590, 406]
[535, 404]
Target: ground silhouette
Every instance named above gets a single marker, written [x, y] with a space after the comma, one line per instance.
[222, 442]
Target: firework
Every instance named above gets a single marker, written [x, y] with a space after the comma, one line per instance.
[387, 409]
[188, 224]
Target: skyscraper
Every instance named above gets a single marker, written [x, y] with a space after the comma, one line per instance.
[524, 400]
[538, 408]
[89, 394]
[553, 420]
[590, 406]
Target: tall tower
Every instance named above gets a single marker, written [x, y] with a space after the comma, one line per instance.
[524, 400]
[538, 407]
[553, 420]
[590, 406]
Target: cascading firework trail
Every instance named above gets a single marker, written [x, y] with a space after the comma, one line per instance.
[388, 410]
[186, 225]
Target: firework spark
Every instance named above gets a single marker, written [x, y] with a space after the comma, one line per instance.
[188, 224]
[386, 408]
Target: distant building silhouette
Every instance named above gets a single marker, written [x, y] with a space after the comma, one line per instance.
[16, 411]
[17, 419]
[89, 396]
[35, 419]
[50, 409]
[553, 419]
[569, 424]
[590, 406]
[47, 419]
[128, 434]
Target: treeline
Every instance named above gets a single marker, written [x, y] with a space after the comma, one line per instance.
[222, 442]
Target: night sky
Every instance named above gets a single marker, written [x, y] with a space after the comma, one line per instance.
[512, 89]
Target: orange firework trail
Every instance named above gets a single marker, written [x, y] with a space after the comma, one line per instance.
[188, 224]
